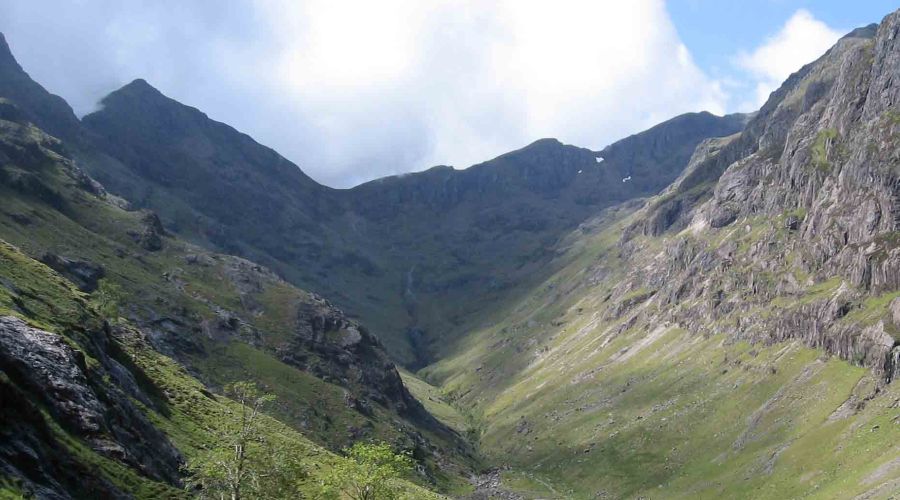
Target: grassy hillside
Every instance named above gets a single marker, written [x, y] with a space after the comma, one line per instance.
[582, 404]
[734, 338]
[736, 335]
[222, 318]
[188, 414]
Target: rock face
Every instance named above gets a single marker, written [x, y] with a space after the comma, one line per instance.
[803, 204]
[353, 354]
[88, 401]
[562, 173]
[150, 236]
[49, 367]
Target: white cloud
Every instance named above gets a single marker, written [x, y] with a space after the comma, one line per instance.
[801, 40]
[353, 90]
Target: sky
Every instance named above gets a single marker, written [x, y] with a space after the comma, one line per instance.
[355, 90]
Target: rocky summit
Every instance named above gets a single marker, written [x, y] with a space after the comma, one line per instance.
[706, 309]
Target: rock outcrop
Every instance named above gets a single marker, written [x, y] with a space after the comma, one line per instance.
[90, 395]
[801, 209]
[346, 351]
[85, 275]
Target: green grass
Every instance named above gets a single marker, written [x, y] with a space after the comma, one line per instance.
[33, 290]
[123, 477]
[817, 292]
[821, 148]
[436, 403]
[84, 226]
[10, 490]
[304, 401]
[529, 484]
[872, 309]
[563, 395]
[192, 416]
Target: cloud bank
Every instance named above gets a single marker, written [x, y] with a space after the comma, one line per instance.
[354, 90]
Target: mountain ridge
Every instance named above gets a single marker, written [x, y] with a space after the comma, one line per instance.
[43, 108]
[366, 229]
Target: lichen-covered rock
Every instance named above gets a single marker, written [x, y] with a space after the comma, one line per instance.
[46, 364]
[90, 398]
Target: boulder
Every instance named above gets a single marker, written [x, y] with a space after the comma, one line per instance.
[84, 274]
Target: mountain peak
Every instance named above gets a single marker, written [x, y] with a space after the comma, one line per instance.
[7, 60]
[140, 85]
[38, 106]
[137, 90]
[863, 32]
[542, 144]
[138, 102]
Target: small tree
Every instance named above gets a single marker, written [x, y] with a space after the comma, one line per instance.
[245, 463]
[369, 472]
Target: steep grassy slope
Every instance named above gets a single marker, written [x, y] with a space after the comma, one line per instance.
[224, 318]
[166, 416]
[736, 336]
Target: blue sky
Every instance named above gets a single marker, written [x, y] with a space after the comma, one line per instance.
[715, 31]
[352, 90]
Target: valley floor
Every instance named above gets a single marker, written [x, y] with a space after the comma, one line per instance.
[694, 418]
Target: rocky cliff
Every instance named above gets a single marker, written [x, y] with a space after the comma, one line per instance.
[802, 217]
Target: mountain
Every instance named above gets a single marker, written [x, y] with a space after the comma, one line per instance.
[48, 111]
[205, 179]
[735, 336]
[710, 308]
[111, 329]
[461, 239]
[389, 248]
